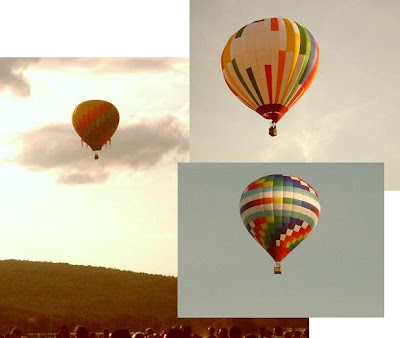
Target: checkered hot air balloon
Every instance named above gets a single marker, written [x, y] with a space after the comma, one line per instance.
[279, 211]
[269, 64]
[95, 121]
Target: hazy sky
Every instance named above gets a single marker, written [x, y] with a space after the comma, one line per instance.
[336, 272]
[350, 112]
[59, 204]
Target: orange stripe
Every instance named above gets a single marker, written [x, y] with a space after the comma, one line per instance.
[281, 67]
[226, 54]
[274, 24]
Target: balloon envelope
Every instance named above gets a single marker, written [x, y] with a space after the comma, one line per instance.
[269, 64]
[95, 121]
[279, 211]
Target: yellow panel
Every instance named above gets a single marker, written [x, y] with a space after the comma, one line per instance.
[227, 52]
[286, 75]
[293, 44]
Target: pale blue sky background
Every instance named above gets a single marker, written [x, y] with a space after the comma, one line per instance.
[350, 112]
[336, 272]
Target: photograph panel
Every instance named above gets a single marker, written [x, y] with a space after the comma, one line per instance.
[251, 60]
[330, 215]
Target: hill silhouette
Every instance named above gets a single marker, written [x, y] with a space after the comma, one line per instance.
[41, 296]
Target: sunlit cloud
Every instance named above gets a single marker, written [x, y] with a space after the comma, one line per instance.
[135, 147]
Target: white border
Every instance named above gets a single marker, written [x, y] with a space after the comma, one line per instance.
[161, 28]
[95, 28]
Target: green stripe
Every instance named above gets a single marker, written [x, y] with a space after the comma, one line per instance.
[240, 32]
[305, 49]
[305, 41]
[237, 71]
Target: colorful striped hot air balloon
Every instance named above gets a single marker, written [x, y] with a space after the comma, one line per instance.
[95, 121]
[279, 211]
[269, 64]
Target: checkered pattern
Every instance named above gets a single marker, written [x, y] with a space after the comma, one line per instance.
[279, 211]
[269, 64]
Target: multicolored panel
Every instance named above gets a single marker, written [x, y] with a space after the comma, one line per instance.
[269, 64]
[95, 121]
[279, 211]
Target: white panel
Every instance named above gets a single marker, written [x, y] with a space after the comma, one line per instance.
[286, 73]
[263, 58]
[263, 41]
[249, 36]
[275, 40]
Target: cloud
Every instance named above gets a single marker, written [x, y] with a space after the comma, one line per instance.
[12, 75]
[118, 65]
[136, 147]
[72, 176]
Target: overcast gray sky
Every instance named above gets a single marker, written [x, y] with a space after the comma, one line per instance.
[336, 272]
[350, 112]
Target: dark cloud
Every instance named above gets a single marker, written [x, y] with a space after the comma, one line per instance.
[112, 65]
[12, 75]
[136, 147]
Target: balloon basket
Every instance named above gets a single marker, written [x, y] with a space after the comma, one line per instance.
[96, 157]
[272, 130]
[277, 269]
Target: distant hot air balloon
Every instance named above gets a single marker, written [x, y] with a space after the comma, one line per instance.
[95, 121]
[269, 64]
[279, 211]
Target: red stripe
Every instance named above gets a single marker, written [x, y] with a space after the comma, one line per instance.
[268, 75]
[253, 203]
[274, 24]
[255, 185]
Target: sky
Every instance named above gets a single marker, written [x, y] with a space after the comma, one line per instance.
[337, 271]
[349, 113]
[62, 206]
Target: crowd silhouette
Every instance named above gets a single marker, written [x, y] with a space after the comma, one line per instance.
[184, 331]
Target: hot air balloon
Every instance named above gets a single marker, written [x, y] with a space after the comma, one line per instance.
[279, 211]
[95, 121]
[269, 64]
